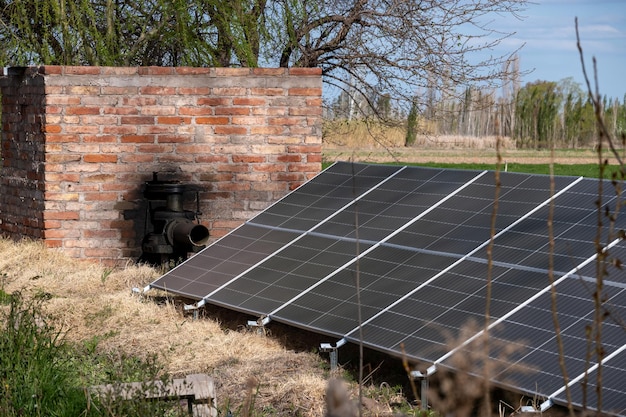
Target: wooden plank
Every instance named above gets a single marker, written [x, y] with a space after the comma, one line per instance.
[198, 389]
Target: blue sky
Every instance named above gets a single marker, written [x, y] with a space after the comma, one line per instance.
[547, 31]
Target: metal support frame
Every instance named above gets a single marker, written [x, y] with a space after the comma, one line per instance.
[423, 377]
[332, 351]
[195, 308]
[258, 325]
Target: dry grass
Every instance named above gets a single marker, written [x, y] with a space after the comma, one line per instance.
[92, 302]
[363, 141]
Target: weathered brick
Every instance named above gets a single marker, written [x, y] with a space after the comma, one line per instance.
[137, 120]
[230, 130]
[232, 110]
[307, 91]
[138, 139]
[104, 132]
[173, 120]
[214, 101]
[100, 158]
[249, 158]
[215, 120]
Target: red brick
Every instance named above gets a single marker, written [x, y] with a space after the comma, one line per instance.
[100, 158]
[62, 158]
[232, 72]
[285, 121]
[101, 234]
[61, 233]
[139, 101]
[194, 149]
[173, 120]
[192, 71]
[137, 120]
[158, 110]
[305, 111]
[267, 91]
[267, 130]
[229, 91]
[53, 129]
[155, 149]
[214, 101]
[195, 111]
[154, 70]
[249, 101]
[201, 91]
[248, 120]
[60, 215]
[305, 149]
[51, 69]
[98, 178]
[215, 120]
[135, 158]
[57, 99]
[119, 130]
[80, 70]
[232, 168]
[210, 159]
[53, 244]
[304, 167]
[232, 110]
[287, 176]
[233, 186]
[122, 111]
[118, 70]
[99, 120]
[99, 139]
[50, 177]
[269, 168]
[81, 129]
[138, 139]
[230, 130]
[162, 91]
[82, 90]
[289, 158]
[249, 158]
[305, 71]
[173, 139]
[298, 91]
[52, 224]
[269, 71]
[101, 196]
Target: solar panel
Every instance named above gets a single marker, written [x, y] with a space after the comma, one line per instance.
[422, 245]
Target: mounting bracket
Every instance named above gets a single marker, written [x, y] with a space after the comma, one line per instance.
[332, 351]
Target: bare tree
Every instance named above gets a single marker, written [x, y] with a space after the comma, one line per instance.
[394, 46]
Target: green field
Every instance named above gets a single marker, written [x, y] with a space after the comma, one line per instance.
[576, 170]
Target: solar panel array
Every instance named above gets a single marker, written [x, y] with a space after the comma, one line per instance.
[416, 242]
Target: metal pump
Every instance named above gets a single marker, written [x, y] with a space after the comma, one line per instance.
[175, 232]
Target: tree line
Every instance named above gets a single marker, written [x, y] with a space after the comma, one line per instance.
[538, 115]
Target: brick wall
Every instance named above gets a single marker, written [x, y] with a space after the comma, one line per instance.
[78, 144]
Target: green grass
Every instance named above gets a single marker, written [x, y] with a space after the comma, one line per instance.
[578, 170]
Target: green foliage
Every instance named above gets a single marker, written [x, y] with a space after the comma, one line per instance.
[36, 377]
[42, 375]
[151, 32]
[411, 125]
[537, 107]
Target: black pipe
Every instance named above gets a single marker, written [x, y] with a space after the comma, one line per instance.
[186, 232]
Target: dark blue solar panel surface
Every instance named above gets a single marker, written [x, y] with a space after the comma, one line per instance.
[417, 242]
